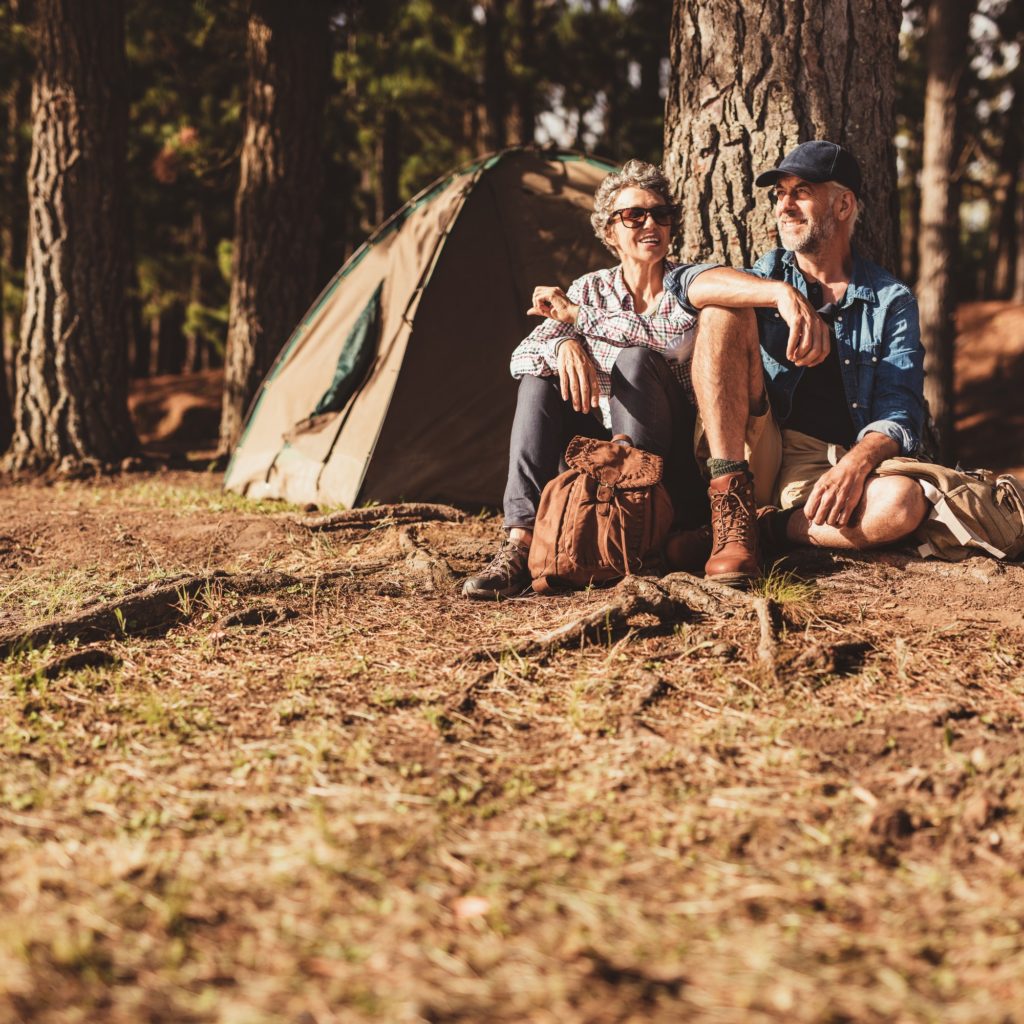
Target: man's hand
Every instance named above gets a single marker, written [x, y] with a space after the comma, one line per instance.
[578, 375]
[553, 303]
[809, 340]
[837, 493]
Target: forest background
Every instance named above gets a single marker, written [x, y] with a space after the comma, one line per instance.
[414, 89]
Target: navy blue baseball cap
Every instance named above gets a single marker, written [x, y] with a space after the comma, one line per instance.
[817, 161]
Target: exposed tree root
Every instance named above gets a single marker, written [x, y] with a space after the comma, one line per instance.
[673, 598]
[378, 515]
[150, 610]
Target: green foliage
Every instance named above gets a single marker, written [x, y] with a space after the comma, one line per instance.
[408, 101]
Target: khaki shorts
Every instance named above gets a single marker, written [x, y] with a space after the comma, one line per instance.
[785, 463]
[763, 445]
[804, 460]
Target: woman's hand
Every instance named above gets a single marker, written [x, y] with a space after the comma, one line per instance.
[577, 375]
[553, 303]
[809, 336]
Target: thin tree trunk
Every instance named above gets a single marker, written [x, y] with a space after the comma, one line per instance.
[71, 405]
[910, 221]
[191, 359]
[749, 82]
[495, 74]
[14, 111]
[1018, 277]
[525, 119]
[1004, 270]
[276, 236]
[388, 164]
[946, 63]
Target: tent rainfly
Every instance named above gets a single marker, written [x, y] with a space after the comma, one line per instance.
[395, 386]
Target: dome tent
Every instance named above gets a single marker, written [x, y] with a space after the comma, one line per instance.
[395, 385]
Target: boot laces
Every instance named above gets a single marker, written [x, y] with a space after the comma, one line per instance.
[732, 518]
[507, 562]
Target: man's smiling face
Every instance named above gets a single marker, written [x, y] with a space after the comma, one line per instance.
[803, 213]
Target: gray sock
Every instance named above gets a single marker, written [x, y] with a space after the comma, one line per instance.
[719, 467]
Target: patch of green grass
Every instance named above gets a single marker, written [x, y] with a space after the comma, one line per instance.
[785, 588]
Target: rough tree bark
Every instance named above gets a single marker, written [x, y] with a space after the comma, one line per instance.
[70, 383]
[750, 81]
[946, 59]
[276, 236]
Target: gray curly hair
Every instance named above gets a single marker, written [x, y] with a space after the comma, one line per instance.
[633, 174]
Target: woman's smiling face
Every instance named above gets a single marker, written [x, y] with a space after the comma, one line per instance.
[647, 243]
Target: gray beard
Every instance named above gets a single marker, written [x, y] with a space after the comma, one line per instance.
[817, 236]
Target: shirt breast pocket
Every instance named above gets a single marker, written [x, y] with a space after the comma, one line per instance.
[867, 369]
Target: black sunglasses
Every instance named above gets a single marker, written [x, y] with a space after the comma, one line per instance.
[636, 216]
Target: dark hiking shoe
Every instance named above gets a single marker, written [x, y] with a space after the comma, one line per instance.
[735, 556]
[688, 550]
[506, 575]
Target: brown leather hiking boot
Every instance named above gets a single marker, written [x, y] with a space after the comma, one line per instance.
[506, 575]
[735, 558]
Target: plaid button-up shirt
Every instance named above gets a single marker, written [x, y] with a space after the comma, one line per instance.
[608, 323]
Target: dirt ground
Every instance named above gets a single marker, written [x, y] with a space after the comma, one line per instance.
[286, 774]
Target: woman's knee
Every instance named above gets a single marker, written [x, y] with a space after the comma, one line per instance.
[636, 365]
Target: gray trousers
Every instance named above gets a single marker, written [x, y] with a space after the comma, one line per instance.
[647, 403]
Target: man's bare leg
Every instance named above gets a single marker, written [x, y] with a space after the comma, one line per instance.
[729, 384]
[891, 509]
[727, 377]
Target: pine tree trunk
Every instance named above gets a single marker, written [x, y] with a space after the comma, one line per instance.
[1018, 276]
[388, 164]
[749, 82]
[14, 112]
[71, 406]
[910, 218]
[524, 123]
[190, 361]
[946, 64]
[276, 207]
[495, 74]
[1004, 267]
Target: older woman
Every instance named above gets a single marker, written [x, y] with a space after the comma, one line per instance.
[611, 357]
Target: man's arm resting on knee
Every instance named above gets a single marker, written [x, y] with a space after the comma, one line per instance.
[809, 340]
[837, 493]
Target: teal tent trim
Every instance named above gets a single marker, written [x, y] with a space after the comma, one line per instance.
[356, 356]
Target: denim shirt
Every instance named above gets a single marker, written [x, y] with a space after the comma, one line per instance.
[877, 338]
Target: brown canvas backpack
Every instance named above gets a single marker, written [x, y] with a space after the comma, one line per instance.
[605, 517]
[972, 510]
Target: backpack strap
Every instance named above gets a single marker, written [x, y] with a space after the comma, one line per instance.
[941, 512]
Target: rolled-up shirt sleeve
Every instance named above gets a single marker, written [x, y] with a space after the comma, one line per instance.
[678, 282]
[897, 403]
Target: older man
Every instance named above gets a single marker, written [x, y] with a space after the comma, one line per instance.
[838, 340]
